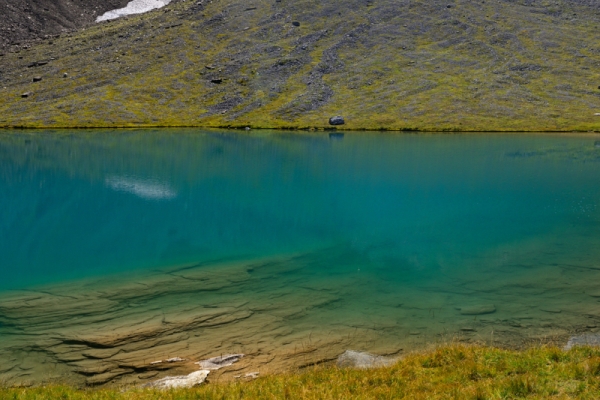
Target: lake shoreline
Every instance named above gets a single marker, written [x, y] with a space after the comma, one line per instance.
[483, 372]
[243, 127]
[111, 330]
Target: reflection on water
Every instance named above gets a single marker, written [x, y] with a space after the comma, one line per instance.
[146, 189]
[377, 241]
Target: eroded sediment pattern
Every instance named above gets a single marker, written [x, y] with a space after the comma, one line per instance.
[282, 313]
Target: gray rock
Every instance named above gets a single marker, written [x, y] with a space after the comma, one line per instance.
[337, 120]
[478, 309]
[588, 339]
[357, 359]
[183, 381]
[219, 362]
[37, 78]
[26, 94]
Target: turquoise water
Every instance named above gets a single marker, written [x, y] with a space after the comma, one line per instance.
[120, 247]
[77, 204]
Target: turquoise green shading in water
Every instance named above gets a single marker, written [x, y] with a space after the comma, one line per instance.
[77, 204]
[119, 242]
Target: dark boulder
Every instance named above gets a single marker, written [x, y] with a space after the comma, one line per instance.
[337, 120]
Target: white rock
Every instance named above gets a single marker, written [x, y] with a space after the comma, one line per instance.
[183, 381]
[357, 359]
[133, 7]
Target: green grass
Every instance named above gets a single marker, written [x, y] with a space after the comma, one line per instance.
[382, 64]
[450, 372]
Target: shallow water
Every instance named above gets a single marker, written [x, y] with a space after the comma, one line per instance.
[380, 242]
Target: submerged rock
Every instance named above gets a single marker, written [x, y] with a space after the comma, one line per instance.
[357, 359]
[184, 381]
[219, 362]
[478, 309]
[588, 339]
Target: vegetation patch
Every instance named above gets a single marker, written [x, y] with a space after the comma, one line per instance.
[449, 372]
[381, 64]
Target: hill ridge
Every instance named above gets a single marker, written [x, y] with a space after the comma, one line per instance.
[382, 64]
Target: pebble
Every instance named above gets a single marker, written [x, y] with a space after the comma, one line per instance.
[37, 78]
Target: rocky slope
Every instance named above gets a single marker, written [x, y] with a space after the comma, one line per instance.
[25, 20]
[382, 64]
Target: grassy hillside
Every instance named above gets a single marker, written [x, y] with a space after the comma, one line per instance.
[454, 372]
[382, 64]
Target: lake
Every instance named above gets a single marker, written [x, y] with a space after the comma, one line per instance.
[122, 247]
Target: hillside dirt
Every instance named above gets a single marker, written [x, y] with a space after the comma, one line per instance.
[25, 20]
[445, 65]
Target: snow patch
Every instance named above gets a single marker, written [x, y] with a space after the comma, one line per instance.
[133, 7]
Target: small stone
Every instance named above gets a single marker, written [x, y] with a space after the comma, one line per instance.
[478, 310]
[174, 359]
[65, 75]
[26, 94]
[37, 78]
[219, 362]
[296, 23]
[247, 128]
[337, 120]
[217, 81]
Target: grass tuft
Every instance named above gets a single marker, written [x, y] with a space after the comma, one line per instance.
[449, 372]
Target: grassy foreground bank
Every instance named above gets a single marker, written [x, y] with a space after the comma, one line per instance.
[451, 372]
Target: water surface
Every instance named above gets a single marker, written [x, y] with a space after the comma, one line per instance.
[378, 241]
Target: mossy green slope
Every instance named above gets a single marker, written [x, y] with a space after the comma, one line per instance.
[451, 372]
[382, 64]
